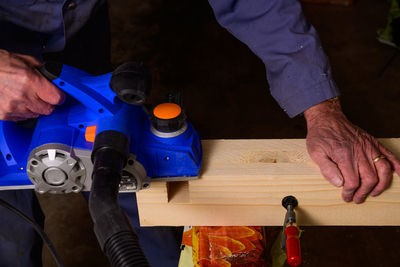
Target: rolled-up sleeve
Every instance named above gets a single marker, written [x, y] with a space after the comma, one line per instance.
[298, 71]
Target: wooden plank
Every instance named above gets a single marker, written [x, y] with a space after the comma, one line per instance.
[242, 182]
[157, 194]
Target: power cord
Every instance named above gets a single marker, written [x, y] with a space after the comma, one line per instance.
[37, 228]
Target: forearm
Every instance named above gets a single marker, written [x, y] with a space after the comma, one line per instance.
[298, 70]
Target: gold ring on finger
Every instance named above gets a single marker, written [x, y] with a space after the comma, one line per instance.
[378, 158]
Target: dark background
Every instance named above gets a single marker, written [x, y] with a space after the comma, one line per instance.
[226, 95]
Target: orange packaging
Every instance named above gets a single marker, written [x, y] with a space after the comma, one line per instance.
[223, 246]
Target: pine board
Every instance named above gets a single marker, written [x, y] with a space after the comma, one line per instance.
[242, 182]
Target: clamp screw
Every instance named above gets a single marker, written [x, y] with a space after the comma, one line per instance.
[289, 200]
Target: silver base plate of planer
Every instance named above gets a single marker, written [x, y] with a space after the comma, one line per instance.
[59, 169]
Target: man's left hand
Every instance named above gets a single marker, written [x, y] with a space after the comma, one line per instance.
[347, 155]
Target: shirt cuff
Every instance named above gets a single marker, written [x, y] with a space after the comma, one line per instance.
[314, 95]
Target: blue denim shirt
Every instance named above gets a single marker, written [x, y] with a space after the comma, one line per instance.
[54, 20]
[298, 70]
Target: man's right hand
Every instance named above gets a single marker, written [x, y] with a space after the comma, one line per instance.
[24, 92]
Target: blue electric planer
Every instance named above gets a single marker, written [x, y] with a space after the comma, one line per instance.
[53, 153]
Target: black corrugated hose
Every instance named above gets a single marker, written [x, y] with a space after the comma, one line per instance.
[113, 229]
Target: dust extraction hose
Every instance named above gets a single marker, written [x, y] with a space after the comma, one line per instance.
[113, 229]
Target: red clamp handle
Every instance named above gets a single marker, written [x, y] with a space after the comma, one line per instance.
[293, 246]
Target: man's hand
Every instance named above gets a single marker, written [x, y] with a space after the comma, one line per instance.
[24, 92]
[345, 153]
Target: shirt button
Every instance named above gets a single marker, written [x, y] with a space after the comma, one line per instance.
[72, 5]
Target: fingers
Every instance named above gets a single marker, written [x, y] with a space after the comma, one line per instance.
[372, 179]
[329, 169]
[391, 157]
[48, 92]
[14, 118]
[27, 113]
[19, 116]
[385, 171]
[37, 105]
[351, 177]
[24, 92]
[369, 179]
[384, 168]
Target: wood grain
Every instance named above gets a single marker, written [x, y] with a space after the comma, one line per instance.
[242, 182]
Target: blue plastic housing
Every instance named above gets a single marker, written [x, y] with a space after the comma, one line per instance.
[90, 101]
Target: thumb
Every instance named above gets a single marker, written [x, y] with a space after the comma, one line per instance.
[329, 170]
[48, 92]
